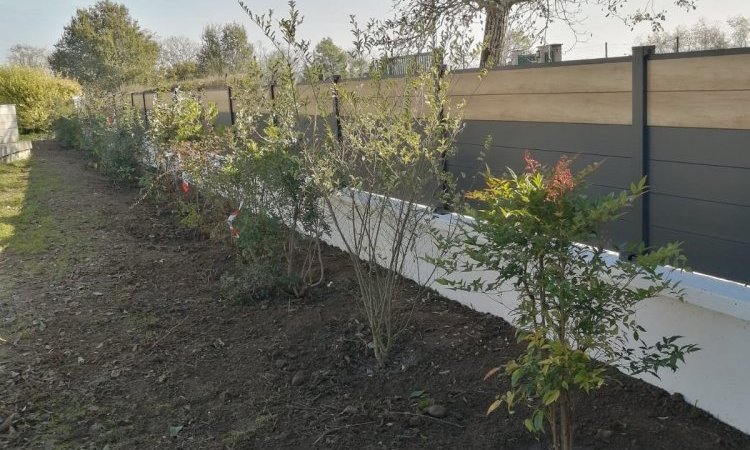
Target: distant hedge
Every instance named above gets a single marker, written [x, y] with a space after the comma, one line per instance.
[36, 94]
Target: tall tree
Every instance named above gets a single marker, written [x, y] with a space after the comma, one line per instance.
[210, 57]
[29, 56]
[178, 58]
[238, 53]
[329, 59]
[106, 47]
[515, 40]
[418, 20]
[225, 49]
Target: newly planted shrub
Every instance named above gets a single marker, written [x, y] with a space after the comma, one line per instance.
[384, 181]
[379, 170]
[282, 219]
[109, 129]
[179, 117]
[575, 303]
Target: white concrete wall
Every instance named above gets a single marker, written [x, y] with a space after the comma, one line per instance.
[715, 315]
[10, 147]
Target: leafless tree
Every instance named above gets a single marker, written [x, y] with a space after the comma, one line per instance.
[176, 50]
[500, 16]
[701, 36]
[739, 31]
[29, 56]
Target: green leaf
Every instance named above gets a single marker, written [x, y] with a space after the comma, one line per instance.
[416, 394]
[538, 420]
[174, 431]
[529, 425]
[551, 396]
[515, 376]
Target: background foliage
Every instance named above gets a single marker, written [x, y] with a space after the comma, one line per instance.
[38, 96]
[105, 47]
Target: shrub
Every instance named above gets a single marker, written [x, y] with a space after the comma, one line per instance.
[573, 302]
[38, 96]
[109, 129]
[282, 219]
[380, 175]
[68, 131]
[179, 117]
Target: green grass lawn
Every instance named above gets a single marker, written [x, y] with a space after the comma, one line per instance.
[26, 226]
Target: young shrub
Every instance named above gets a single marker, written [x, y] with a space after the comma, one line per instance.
[178, 117]
[380, 169]
[282, 219]
[385, 179]
[122, 155]
[109, 129]
[183, 142]
[284, 223]
[574, 303]
[38, 96]
[68, 131]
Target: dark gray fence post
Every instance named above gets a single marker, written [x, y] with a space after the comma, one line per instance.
[444, 206]
[641, 150]
[145, 111]
[336, 112]
[231, 105]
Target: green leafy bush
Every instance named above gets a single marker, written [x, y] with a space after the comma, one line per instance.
[574, 302]
[68, 131]
[180, 117]
[38, 96]
[109, 129]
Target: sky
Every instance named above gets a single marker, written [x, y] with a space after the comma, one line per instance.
[41, 22]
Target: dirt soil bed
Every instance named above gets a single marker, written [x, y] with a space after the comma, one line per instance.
[115, 336]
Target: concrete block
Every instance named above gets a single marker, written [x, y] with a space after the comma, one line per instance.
[8, 109]
[8, 150]
[9, 135]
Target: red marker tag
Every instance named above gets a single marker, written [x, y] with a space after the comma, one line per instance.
[234, 231]
[185, 186]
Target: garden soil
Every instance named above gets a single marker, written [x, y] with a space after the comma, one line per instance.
[115, 335]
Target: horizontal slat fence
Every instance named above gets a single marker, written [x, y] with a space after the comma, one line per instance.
[684, 121]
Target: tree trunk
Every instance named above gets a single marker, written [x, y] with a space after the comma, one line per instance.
[494, 33]
[566, 422]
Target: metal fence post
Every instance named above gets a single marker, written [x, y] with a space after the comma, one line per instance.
[641, 154]
[445, 206]
[231, 105]
[336, 111]
[145, 111]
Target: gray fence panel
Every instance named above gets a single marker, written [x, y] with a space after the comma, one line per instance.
[701, 218]
[722, 258]
[729, 185]
[701, 146]
[603, 140]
